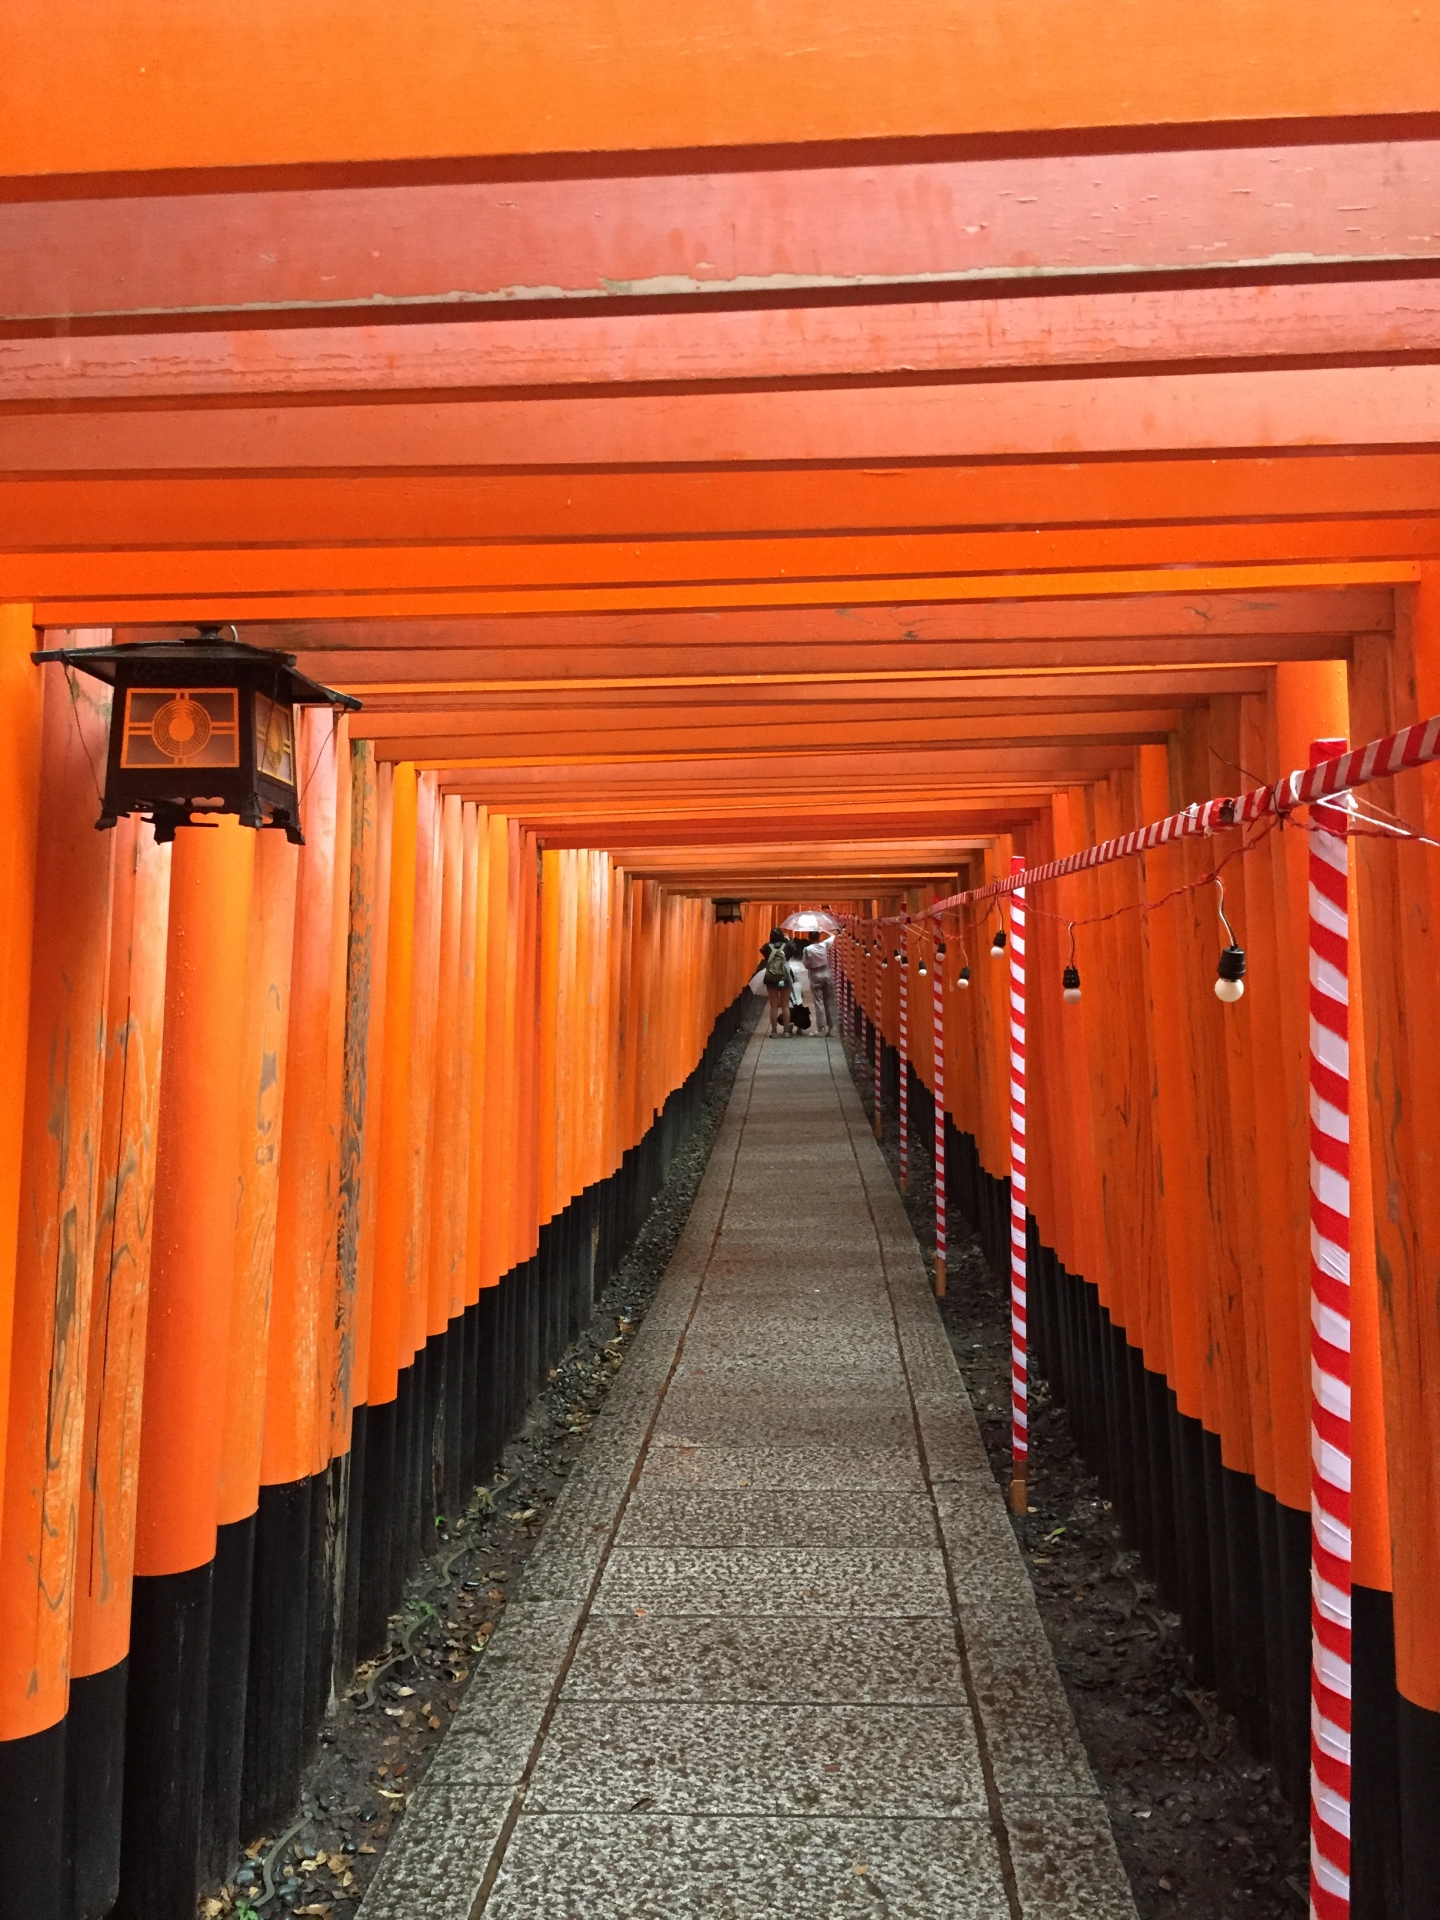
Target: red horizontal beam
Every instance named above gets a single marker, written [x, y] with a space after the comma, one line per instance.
[269, 257]
[601, 704]
[245, 572]
[225, 510]
[778, 347]
[167, 85]
[1150, 414]
[1332, 612]
[991, 772]
[770, 594]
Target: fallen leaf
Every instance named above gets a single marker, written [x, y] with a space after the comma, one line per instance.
[405, 1692]
[645, 1800]
[367, 1848]
[435, 1722]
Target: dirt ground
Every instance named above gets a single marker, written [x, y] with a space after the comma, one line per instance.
[1200, 1823]
[378, 1741]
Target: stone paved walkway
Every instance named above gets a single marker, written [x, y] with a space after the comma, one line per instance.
[776, 1655]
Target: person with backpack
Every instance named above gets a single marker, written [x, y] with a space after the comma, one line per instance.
[775, 972]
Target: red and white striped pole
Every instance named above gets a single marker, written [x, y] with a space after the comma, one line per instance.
[1019, 1343]
[1330, 1455]
[904, 1062]
[879, 1057]
[938, 1003]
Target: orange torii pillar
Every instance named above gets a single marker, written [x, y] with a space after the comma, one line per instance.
[266, 1017]
[115, 1380]
[188, 1333]
[55, 1092]
[368, 1522]
[291, 1613]
[363, 998]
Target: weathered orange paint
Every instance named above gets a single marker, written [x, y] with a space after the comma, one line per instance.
[115, 1376]
[21, 706]
[1257, 411]
[55, 1248]
[302, 1375]
[268, 970]
[387, 1310]
[193, 1261]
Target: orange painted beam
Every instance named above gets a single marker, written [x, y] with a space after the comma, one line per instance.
[224, 509]
[185, 86]
[958, 691]
[767, 594]
[243, 574]
[534, 748]
[774, 347]
[1136, 413]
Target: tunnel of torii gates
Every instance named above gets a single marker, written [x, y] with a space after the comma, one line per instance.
[807, 454]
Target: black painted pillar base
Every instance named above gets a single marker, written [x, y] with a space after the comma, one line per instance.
[225, 1703]
[166, 1702]
[275, 1695]
[94, 1786]
[32, 1834]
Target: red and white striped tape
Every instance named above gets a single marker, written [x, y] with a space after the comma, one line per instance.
[938, 1014]
[879, 1056]
[1416, 746]
[1019, 1342]
[904, 1076]
[1330, 1451]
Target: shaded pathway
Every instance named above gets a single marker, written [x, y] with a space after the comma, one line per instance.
[776, 1656]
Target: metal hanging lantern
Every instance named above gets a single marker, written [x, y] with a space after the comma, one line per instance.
[728, 912]
[203, 725]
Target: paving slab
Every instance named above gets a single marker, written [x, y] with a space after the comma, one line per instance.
[851, 1659]
[643, 1867]
[793, 1580]
[704, 1757]
[666, 1516]
[776, 1656]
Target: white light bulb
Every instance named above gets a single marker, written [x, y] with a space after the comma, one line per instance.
[1229, 991]
[1071, 994]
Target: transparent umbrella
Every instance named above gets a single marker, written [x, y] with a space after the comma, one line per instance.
[810, 921]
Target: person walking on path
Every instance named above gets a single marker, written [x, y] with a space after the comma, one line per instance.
[775, 971]
[822, 983]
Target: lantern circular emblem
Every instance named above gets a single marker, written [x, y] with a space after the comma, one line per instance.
[181, 728]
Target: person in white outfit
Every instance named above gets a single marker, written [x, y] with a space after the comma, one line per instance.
[822, 984]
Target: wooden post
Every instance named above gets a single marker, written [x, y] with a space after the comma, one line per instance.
[1019, 1337]
[58, 1107]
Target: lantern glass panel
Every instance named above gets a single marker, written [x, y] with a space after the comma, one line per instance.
[181, 727]
[274, 740]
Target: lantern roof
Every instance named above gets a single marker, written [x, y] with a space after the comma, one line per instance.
[205, 651]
